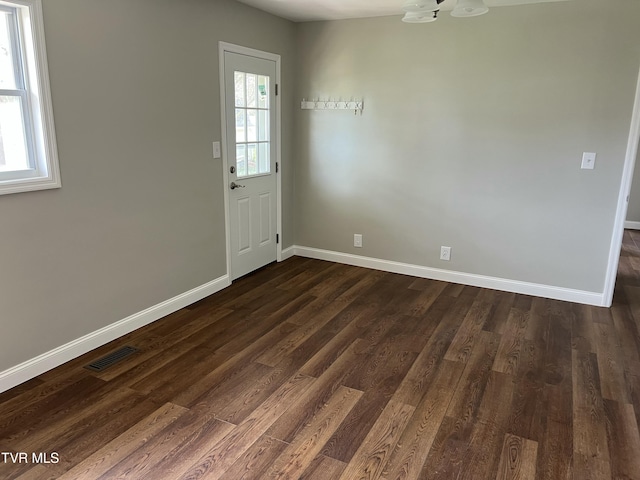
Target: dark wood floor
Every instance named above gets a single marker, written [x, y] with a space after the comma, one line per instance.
[308, 369]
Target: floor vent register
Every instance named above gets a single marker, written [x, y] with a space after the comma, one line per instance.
[111, 359]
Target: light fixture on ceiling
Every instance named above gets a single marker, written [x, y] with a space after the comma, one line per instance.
[425, 11]
[469, 8]
[421, 11]
[421, 5]
[420, 17]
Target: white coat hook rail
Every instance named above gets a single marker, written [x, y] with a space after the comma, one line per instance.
[355, 105]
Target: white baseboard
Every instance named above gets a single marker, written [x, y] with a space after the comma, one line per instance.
[53, 358]
[515, 286]
[632, 225]
[288, 253]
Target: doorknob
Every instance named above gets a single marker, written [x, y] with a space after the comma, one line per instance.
[234, 185]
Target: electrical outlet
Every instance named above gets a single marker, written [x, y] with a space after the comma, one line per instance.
[588, 161]
[445, 253]
[357, 240]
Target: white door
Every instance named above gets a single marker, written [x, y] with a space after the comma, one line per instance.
[251, 150]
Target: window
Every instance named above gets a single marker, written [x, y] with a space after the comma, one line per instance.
[252, 124]
[28, 154]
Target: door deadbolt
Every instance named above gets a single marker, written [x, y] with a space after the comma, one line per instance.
[232, 169]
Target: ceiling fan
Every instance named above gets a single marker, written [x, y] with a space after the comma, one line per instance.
[425, 11]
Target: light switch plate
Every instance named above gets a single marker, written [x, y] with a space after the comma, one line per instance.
[216, 150]
[588, 161]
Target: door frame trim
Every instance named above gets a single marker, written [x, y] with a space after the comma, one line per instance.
[224, 47]
[623, 200]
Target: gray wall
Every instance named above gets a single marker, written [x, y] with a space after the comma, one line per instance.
[140, 216]
[633, 212]
[471, 137]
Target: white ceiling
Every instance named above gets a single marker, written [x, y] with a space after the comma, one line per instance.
[309, 10]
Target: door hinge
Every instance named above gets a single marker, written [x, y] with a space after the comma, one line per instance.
[277, 238]
[277, 167]
[276, 89]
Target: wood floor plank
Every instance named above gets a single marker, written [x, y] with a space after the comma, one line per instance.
[64, 415]
[323, 468]
[588, 468]
[502, 303]
[224, 453]
[146, 363]
[518, 459]
[301, 411]
[88, 437]
[486, 439]
[464, 340]
[387, 364]
[199, 388]
[286, 346]
[324, 357]
[610, 364]
[424, 369]
[222, 334]
[468, 395]
[623, 439]
[633, 379]
[430, 291]
[449, 449]
[308, 443]
[408, 458]
[583, 337]
[256, 461]
[175, 379]
[628, 335]
[302, 279]
[511, 342]
[124, 445]
[633, 297]
[39, 472]
[589, 422]
[555, 452]
[345, 441]
[319, 274]
[68, 428]
[25, 389]
[172, 450]
[556, 368]
[233, 399]
[527, 414]
[325, 308]
[452, 443]
[374, 451]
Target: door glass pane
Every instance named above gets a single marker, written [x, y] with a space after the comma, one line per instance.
[239, 88]
[241, 160]
[240, 125]
[263, 125]
[13, 148]
[251, 90]
[7, 62]
[252, 158]
[263, 91]
[252, 125]
[263, 158]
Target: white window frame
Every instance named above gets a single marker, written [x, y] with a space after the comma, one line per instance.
[44, 172]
